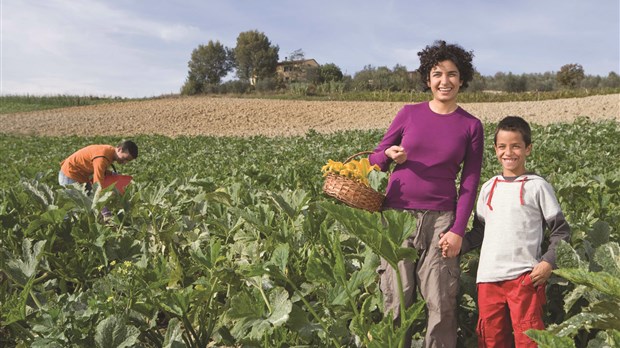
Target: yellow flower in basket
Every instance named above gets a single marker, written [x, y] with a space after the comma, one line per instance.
[354, 169]
[348, 182]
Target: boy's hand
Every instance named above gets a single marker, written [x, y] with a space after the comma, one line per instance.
[450, 244]
[396, 153]
[541, 273]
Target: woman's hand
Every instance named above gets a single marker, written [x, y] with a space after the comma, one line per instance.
[396, 153]
[450, 244]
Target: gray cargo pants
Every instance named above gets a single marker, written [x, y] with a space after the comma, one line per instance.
[435, 276]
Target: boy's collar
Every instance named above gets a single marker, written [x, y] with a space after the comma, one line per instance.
[513, 178]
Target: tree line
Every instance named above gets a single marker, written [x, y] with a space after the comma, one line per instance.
[254, 60]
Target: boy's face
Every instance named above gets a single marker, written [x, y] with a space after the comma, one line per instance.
[122, 157]
[511, 152]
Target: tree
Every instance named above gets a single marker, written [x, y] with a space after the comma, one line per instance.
[363, 80]
[330, 72]
[612, 80]
[384, 79]
[208, 65]
[255, 57]
[297, 54]
[191, 87]
[478, 84]
[401, 79]
[570, 75]
[515, 83]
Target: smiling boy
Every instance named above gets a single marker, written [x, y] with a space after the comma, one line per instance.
[512, 212]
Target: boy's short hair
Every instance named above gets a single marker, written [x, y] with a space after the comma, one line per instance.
[515, 124]
[130, 147]
[441, 51]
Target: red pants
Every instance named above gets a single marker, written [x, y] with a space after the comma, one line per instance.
[514, 301]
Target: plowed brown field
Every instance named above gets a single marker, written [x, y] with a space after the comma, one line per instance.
[247, 117]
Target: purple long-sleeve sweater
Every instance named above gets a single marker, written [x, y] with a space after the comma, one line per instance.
[436, 146]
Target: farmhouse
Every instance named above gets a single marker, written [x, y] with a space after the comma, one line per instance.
[296, 70]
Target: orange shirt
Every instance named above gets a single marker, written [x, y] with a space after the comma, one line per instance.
[90, 160]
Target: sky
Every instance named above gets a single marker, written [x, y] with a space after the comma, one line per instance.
[140, 48]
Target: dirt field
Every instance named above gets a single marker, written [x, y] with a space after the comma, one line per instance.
[246, 117]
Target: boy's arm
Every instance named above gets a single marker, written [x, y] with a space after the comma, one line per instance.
[555, 222]
[100, 166]
[560, 230]
[473, 238]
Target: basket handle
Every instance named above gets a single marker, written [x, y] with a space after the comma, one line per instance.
[357, 154]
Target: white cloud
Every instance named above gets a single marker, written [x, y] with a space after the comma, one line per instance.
[84, 47]
[141, 48]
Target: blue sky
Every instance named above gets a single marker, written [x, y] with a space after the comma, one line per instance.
[140, 48]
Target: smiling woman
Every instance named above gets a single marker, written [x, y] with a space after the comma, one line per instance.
[429, 143]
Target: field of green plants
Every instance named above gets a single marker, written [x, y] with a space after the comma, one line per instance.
[230, 242]
[24, 103]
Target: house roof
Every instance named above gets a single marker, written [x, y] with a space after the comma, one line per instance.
[297, 62]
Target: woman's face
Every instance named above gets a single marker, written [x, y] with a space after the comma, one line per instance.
[445, 81]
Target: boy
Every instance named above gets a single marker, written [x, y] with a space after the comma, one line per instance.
[94, 160]
[512, 212]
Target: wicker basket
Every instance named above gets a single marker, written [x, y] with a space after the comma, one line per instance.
[351, 192]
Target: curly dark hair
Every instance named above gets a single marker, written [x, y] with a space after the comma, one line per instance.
[430, 56]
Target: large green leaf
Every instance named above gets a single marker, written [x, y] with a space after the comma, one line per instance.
[580, 321]
[572, 297]
[177, 301]
[605, 339]
[114, 332]
[300, 322]
[608, 257]
[20, 270]
[249, 314]
[280, 257]
[385, 334]
[599, 234]
[14, 307]
[319, 269]
[567, 257]
[601, 281]
[291, 202]
[41, 192]
[546, 339]
[174, 335]
[214, 256]
[281, 306]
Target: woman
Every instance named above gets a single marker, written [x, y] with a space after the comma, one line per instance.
[431, 142]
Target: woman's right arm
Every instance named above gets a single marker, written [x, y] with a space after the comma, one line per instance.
[392, 136]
